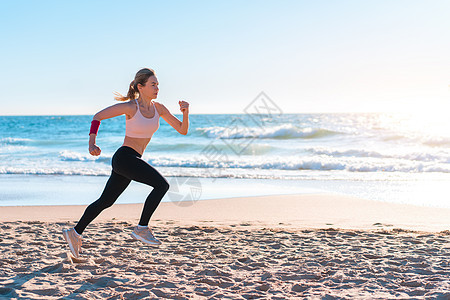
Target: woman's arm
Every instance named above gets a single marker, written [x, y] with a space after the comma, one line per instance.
[113, 111]
[181, 127]
[107, 113]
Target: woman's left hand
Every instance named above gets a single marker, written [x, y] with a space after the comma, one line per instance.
[184, 106]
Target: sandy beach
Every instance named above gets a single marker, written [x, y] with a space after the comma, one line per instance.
[271, 247]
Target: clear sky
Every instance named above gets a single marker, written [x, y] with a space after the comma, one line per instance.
[68, 57]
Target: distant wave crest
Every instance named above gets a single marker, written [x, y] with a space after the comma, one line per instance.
[67, 155]
[359, 153]
[437, 141]
[286, 131]
[307, 163]
[14, 141]
[431, 141]
[54, 171]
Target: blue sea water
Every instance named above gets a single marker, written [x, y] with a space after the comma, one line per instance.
[378, 156]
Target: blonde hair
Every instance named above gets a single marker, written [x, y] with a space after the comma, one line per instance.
[141, 78]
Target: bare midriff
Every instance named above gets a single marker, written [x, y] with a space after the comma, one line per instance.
[138, 144]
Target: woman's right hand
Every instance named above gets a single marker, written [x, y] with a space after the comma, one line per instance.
[94, 150]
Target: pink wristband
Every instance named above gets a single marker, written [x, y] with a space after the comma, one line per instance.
[95, 124]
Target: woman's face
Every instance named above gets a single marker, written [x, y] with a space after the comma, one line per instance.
[150, 90]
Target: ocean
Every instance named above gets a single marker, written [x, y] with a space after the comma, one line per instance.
[383, 157]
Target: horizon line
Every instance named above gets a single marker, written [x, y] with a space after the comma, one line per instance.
[241, 113]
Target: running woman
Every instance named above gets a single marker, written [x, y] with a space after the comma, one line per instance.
[142, 120]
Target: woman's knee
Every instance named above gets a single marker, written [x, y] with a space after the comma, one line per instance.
[165, 186]
[100, 204]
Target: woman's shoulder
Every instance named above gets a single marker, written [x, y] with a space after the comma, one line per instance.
[127, 107]
[158, 104]
[160, 107]
[128, 104]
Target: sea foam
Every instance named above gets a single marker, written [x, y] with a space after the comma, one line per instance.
[286, 131]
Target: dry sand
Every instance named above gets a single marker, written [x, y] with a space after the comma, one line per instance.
[274, 247]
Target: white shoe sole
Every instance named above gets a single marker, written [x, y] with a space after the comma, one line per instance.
[137, 237]
[72, 249]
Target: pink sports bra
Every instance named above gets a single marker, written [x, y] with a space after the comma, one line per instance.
[141, 127]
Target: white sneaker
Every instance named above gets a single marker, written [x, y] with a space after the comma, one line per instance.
[74, 241]
[145, 235]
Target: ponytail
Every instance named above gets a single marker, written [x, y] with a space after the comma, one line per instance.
[132, 91]
[140, 78]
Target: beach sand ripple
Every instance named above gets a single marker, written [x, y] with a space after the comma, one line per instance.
[244, 261]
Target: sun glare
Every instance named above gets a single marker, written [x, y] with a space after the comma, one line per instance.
[430, 118]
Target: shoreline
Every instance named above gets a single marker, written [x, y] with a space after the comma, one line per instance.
[285, 211]
[36, 190]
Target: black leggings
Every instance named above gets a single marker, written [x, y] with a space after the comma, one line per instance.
[127, 165]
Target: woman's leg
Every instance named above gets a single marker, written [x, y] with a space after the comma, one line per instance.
[160, 186]
[114, 187]
[140, 171]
